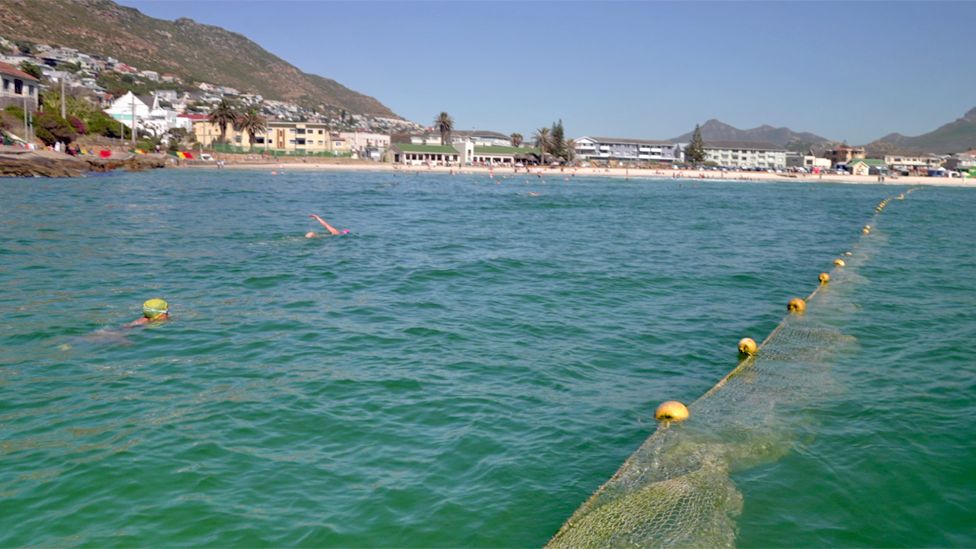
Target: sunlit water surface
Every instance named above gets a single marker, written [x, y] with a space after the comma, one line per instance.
[467, 365]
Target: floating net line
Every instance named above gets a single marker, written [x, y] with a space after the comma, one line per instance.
[676, 489]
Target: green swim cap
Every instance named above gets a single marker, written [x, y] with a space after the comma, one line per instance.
[155, 308]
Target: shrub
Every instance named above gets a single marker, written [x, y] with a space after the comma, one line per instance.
[51, 128]
[78, 124]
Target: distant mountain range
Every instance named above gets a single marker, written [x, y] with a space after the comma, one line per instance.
[190, 50]
[715, 130]
[956, 136]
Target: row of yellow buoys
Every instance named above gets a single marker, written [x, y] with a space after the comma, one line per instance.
[673, 410]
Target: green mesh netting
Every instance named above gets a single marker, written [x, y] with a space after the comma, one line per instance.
[675, 490]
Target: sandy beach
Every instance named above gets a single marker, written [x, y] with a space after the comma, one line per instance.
[567, 173]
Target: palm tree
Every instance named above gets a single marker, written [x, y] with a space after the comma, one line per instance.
[543, 140]
[516, 139]
[569, 152]
[251, 122]
[444, 124]
[222, 115]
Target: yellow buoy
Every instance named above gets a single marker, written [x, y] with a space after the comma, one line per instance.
[866, 230]
[671, 410]
[824, 278]
[839, 262]
[747, 346]
[796, 305]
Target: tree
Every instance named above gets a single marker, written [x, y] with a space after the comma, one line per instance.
[558, 139]
[31, 69]
[444, 124]
[223, 115]
[251, 122]
[543, 140]
[516, 139]
[569, 151]
[695, 151]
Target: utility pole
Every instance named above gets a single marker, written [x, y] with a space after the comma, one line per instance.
[64, 112]
[26, 128]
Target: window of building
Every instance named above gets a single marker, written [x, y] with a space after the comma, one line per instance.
[6, 85]
[301, 131]
[300, 141]
[19, 87]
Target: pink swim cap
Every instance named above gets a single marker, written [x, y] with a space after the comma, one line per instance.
[345, 231]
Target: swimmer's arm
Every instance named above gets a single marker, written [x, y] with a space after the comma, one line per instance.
[330, 228]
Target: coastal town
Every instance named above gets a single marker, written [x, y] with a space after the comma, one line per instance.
[198, 122]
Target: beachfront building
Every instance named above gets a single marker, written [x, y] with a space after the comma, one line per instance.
[129, 106]
[913, 161]
[19, 88]
[367, 145]
[480, 138]
[745, 154]
[963, 161]
[620, 149]
[412, 154]
[867, 166]
[844, 154]
[279, 136]
[152, 119]
[503, 156]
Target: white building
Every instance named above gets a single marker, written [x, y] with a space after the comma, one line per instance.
[627, 150]
[19, 88]
[745, 154]
[155, 119]
[479, 138]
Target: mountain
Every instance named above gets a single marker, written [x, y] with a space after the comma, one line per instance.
[190, 50]
[956, 136]
[715, 130]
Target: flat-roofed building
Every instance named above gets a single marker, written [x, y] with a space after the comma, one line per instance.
[843, 154]
[627, 150]
[480, 138]
[412, 154]
[745, 154]
[19, 88]
[503, 156]
[280, 136]
[913, 161]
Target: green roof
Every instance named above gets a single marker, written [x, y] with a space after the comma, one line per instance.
[868, 161]
[495, 149]
[434, 149]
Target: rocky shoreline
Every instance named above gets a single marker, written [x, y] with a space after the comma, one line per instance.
[52, 164]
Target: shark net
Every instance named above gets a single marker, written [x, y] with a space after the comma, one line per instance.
[676, 489]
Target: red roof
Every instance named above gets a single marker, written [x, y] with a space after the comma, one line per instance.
[194, 116]
[7, 68]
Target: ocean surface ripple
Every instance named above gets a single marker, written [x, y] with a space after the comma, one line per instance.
[467, 365]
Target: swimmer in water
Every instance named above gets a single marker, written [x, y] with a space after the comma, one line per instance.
[154, 310]
[332, 230]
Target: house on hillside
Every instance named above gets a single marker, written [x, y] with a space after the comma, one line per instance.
[128, 107]
[19, 88]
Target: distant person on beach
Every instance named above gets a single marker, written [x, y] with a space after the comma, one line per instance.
[332, 230]
[153, 310]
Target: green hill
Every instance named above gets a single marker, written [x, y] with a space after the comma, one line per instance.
[190, 50]
[956, 136]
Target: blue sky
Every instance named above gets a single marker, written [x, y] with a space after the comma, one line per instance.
[846, 71]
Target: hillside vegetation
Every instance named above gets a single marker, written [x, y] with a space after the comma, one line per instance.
[190, 50]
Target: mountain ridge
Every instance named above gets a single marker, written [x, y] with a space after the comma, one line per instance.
[716, 130]
[956, 136]
[194, 51]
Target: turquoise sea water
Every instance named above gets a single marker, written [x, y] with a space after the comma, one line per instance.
[470, 363]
